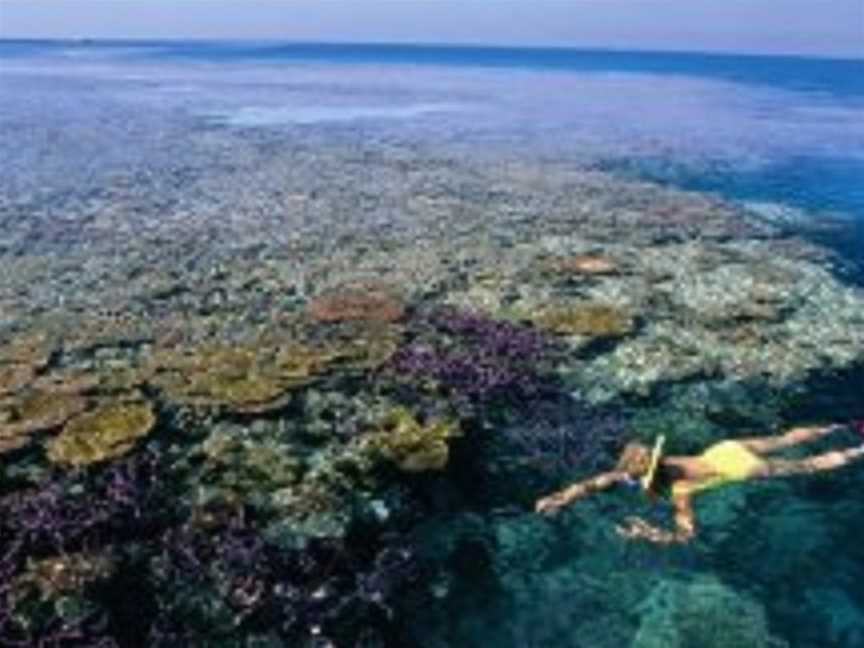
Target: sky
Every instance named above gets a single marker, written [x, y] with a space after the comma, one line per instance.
[810, 27]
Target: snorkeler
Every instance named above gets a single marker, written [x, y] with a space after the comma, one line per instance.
[681, 477]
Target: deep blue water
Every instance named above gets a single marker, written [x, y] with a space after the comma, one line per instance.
[839, 77]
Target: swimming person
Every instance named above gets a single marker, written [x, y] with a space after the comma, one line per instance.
[681, 477]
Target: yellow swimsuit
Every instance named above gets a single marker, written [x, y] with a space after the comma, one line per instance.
[732, 462]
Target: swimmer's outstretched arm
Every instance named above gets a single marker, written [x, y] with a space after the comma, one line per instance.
[556, 500]
[685, 525]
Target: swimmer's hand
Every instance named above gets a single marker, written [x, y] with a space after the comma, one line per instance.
[637, 528]
[550, 504]
[633, 527]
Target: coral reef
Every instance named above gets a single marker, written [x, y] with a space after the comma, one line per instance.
[33, 350]
[587, 265]
[237, 587]
[34, 412]
[55, 540]
[591, 319]
[468, 355]
[362, 349]
[703, 612]
[355, 305]
[105, 433]
[560, 439]
[244, 466]
[412, 446]
[13, 377]
[244, 379]
[68, 548]
[289, 332]
[58, 575]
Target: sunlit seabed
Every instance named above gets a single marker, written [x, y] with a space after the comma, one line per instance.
[150, 203]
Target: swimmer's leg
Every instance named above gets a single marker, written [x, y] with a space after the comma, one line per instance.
[793, 437]
[819, 463]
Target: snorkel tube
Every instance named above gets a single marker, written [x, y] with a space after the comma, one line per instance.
[656, 453]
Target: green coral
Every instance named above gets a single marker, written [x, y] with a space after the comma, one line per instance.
[107, 432]
[413, 447]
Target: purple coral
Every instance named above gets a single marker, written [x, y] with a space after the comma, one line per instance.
[64, 516]
[474, 356]
[563, 437]
[206, 579]
[243, 586]
[61, 516]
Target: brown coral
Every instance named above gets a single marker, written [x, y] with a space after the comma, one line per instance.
[590, 319]
[583, 264]
[355, 305]
[107, 432]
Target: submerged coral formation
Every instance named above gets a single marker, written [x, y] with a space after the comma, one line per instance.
[57, 575]
[243, 466]
[560, 438]
[591, 319]
[13, 377]
[412, 446]
[704, 612]
[107, 432]
[355, 305]
[470, 355]
[588, 265]
[33, 350]
[34, 412]
[245, 379]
